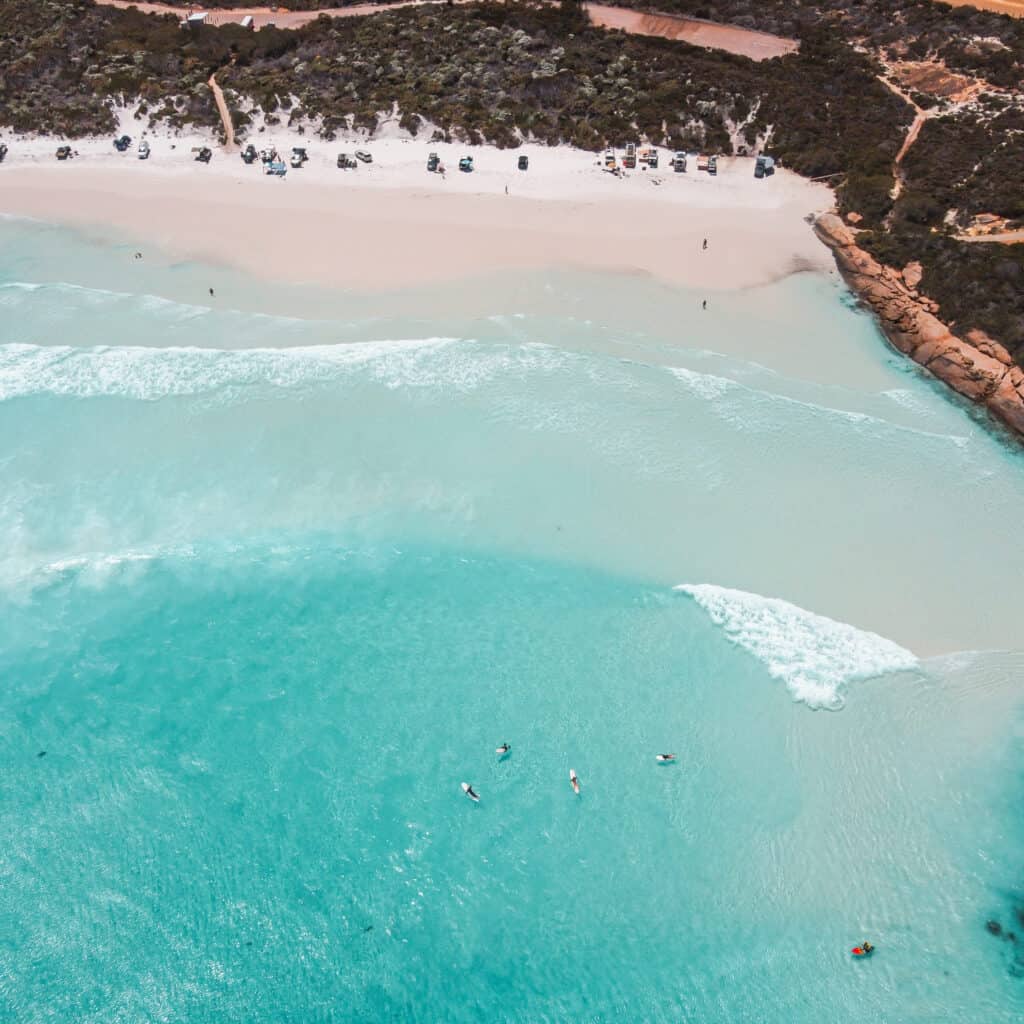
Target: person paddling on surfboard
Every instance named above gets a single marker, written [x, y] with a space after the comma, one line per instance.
[574, 782]
[470, 792]
[502, 750]
[864, 949]
[665, 757]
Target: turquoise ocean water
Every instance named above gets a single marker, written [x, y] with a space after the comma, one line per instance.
[280, 569]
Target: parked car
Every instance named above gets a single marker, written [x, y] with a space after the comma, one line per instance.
[713, 165]
[679, 162]
[268, 155]
[203, 154]
[122, 143]
[346, 162]
[249, 154]
[361, 154]
[299, 157]
[63, 152]
[524, 163]
[277, 167]
[433, 162]
[143, 150]
[466, 164]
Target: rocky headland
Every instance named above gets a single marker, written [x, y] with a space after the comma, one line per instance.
[975, 366]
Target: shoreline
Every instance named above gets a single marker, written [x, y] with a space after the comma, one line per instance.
[392, 224]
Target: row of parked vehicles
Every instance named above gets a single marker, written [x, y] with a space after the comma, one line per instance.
[466, 163]
[648, 156]
[123, 143]
[274, 164]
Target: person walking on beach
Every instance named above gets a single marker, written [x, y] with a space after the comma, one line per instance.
[705, 304]
[705, 245]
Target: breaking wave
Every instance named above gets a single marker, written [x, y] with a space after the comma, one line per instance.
[813, 655]
[147, 374]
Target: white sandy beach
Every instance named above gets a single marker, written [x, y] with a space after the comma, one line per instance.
[391, 223]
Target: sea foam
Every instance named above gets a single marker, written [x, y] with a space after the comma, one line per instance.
[148, 373]
[813, 655]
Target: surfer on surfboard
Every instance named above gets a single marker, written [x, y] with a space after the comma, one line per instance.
[574, 782]
[503, 749]
[470, 792]
[665, 757]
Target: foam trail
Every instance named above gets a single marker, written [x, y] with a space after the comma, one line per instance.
[813, 655]
[712, 387]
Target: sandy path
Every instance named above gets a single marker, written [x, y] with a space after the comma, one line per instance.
[747, 43]
[920, 116]
[225, 114]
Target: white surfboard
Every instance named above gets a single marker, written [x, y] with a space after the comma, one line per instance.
[472, 796]
[575, 782]
[665, 758]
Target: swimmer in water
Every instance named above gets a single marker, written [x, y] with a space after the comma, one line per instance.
[574, 782]
[502, 750]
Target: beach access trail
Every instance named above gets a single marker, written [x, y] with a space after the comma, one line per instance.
[712, 35]
[225, 114]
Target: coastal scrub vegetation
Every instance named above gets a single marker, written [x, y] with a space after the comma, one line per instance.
[502, 73]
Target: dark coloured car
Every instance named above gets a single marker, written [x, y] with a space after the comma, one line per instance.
[122, 144]
[524, 163]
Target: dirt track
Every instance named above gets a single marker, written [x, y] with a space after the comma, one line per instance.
[1014, 8]
[747, 43]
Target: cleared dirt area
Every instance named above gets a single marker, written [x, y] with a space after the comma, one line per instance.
[932, 79]
[747, 43]
[1014, 8]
